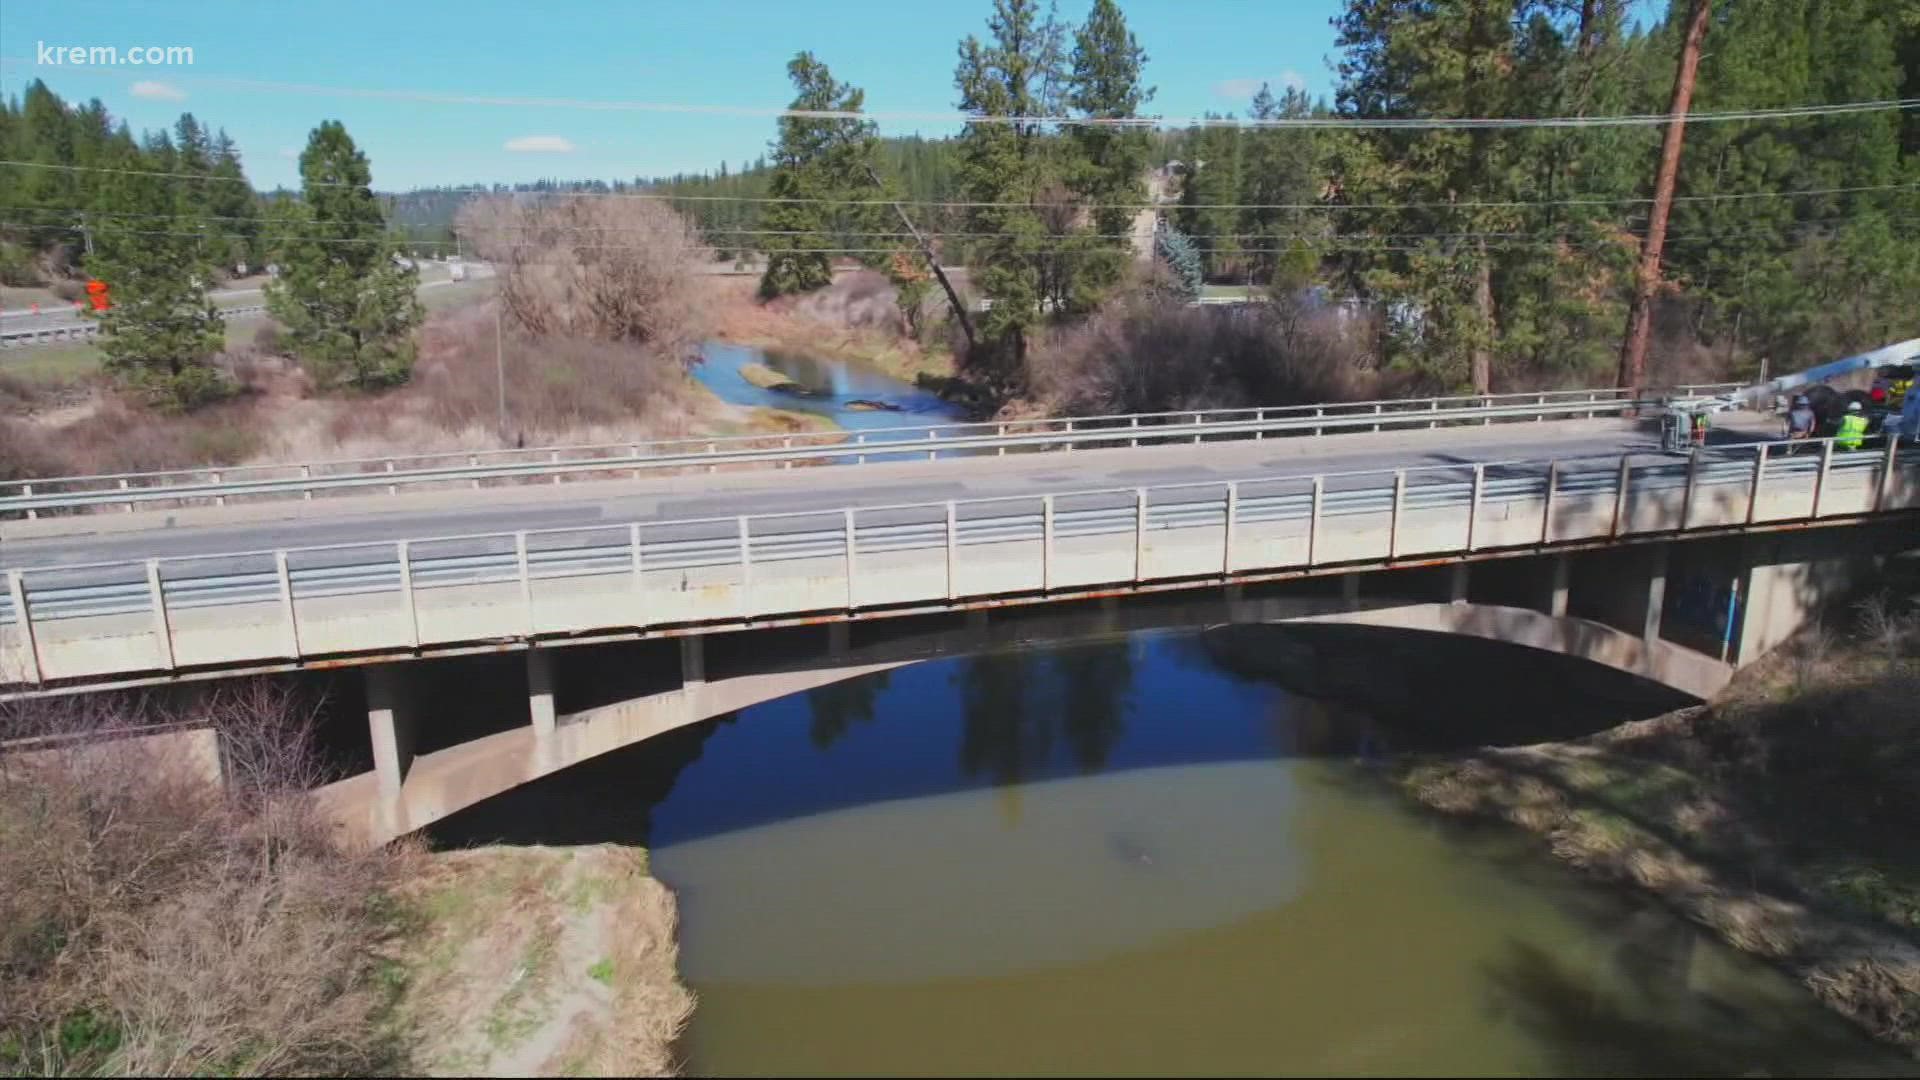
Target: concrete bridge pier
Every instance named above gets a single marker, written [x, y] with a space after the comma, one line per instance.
[390, 723]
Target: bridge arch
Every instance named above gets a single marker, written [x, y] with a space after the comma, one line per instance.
[375, 809]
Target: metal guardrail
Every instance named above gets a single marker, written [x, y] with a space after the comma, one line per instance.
[87, 329]
[553, 464]
[162, 588]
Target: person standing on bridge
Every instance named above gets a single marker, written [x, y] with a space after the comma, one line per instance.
[1853, 428]
[1801, 420]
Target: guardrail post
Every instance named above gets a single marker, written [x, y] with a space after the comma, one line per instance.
[1377, 409]
[1620, 521]
[1393, 522]
[1546, 511]
[554, 459]
[1431, 424]
[1759, 472]
[633, 451]
[1541, 403]
[473, 462]
[162, 629]
[1226, 541]
[1313, 519]
[1486, 418]
[124, 485]
[633, 551]
[934, 455]
[218, 500]
[392, 489]
[860, 440]
[406, 593]
[1259, 417]
[786, 444]
[849, 528]
[23, 617]
[306, 473]
[1319, 412]
[1820, 478]
[1133, 422]
[526, 579]
[1139, 532]
[1046, 543]
[1693, 483]
[27, 490]
[1592, 398]
[1473, 503]
[953, 545]
[711, 449]
[1068, 445]
[1196, 423]
[286, 604]
[1886, 474]
[746, 567]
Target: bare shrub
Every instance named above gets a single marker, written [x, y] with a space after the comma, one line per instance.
[68, 290]
[621, 270]
[861, 299]
[267, 338]
[154, 923]
[1880, 620]
[1146, 353]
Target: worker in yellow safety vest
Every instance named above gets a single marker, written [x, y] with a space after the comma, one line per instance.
[1853, 428]
[1899, 387]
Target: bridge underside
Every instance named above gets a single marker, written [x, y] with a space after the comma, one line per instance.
[1538, 603]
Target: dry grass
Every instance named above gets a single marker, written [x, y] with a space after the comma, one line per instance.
[1785, 815]
[539, 961]
[154, 924]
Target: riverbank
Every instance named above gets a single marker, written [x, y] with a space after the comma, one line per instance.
[537, 961]
[740, 318]
[1783, 815]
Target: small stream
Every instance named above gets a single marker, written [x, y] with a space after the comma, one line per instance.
[853, 395]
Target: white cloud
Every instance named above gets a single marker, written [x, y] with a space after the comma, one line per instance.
[1244, 89]
[157, 91]
[540, 144]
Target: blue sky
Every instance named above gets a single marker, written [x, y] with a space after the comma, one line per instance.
[1205, 55]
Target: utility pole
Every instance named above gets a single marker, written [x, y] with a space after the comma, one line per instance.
[933, 261]
[500, 366]
[1633, 349]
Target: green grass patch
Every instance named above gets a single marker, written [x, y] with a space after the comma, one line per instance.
[602, 971]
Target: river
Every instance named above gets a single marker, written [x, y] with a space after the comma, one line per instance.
[1161, 854]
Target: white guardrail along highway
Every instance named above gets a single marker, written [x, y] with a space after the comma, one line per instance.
[88, 329]
[552, 464]
[267, 608]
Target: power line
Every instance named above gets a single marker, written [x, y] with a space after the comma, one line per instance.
[660, 196]
[1148, 122]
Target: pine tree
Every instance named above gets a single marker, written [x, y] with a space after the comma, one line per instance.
[1109, 162]
[816, 161]
[161, 330]
[348, 305]
[1003, 168]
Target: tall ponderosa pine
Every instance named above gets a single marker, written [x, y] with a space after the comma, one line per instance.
[1014, 74]
[161, 330]
[348, 304]
[1109, 162]
[820, 164]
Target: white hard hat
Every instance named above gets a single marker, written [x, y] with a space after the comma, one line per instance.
[1853, 406]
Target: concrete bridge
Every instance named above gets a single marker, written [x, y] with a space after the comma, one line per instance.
[816, 576]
